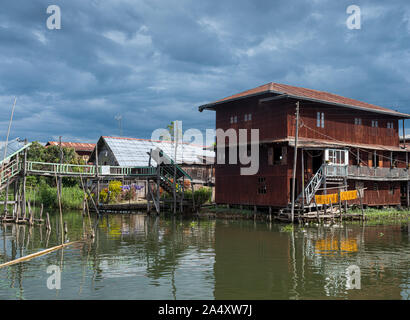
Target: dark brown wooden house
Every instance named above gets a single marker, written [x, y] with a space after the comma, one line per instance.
[340, 141]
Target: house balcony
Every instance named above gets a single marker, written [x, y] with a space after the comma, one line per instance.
[367, 173]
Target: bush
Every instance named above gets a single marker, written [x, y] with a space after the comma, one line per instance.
[202, 195]
[71, 197]
[112, 193]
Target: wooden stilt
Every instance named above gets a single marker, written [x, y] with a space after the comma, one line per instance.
[48, 225]
[193, 196]
[317, 210]
[158, 189]
[361, 193]
[6, 197]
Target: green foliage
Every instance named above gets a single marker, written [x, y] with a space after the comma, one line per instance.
[287, 228]
[71, 197]
[115, 189]
[112, 193]
[51, 154]
[202, 195]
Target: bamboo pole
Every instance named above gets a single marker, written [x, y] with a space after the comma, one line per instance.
[88, 209]
[361, 202]
[61, 211]
[41, 212]
[48, 225]
[37, 254]
[295, 156]
[6, 198]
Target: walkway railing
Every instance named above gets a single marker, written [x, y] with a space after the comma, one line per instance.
[370, 173]
[87, 170]
[66, 169]
[8, 171]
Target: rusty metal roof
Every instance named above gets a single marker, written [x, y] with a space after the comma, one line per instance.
[305, 94]
[77, 146]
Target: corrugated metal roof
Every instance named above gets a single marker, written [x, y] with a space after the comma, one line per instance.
[13, 147]
[77, 146]
[308, 94]
[134, 152]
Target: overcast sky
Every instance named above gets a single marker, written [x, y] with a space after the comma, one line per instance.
[155, 61]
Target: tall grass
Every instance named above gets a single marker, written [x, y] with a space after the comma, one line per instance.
[71, 197]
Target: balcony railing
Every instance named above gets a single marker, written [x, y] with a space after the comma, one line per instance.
[367, 173]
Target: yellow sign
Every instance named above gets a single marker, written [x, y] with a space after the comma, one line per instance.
[348, 195]
[344, 195]
[326, 198]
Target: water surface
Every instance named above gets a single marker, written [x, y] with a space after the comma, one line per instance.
[140, 257]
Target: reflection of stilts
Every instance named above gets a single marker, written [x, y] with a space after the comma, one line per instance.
[295, 277]
[48, 232]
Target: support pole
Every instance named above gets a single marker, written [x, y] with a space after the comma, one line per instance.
[6, 197]
[97, 174]
[294, 163]
[158, 188]
[60, 179]
[404, 136]
[317, 210]
[23, 207]
[361, 195]
[345, 183]
[303, 182]
[193, 197]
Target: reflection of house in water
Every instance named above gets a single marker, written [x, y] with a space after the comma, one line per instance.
[308, 264]
[263, 273]
[333, 251]
[118, 225]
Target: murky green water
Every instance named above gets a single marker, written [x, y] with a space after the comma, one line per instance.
[138, 257]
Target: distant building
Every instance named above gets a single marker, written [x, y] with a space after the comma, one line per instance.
[131, 152]
[84, 150]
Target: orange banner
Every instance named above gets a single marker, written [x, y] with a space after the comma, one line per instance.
[344, 195]
[326, 198]
[348, 195]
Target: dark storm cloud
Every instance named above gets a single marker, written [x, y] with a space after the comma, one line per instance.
[155, 61]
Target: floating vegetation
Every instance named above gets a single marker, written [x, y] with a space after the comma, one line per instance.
[287, 228]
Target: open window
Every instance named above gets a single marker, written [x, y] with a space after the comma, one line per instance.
[337, 157]
[276, 155]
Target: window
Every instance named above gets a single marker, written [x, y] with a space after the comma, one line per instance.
[231, 120]
[336, 156]
[235, 119]
[248, 117]
[261, 185]
[320, 120]
[375, 123]
[390, 125]
[262, 190]
[277, 155]
[261, 179]
[357, 121]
